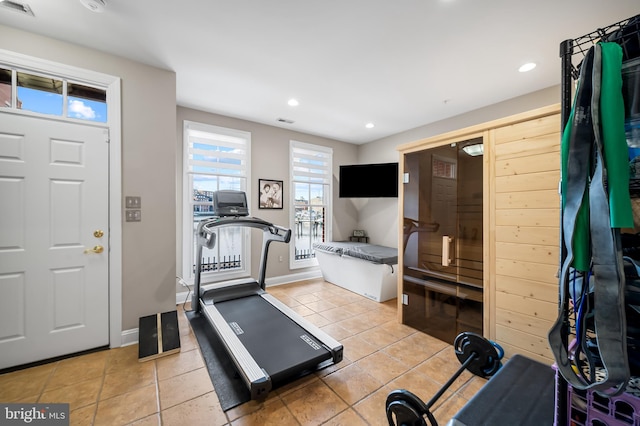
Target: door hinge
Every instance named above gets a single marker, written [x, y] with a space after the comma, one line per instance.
[106, 136]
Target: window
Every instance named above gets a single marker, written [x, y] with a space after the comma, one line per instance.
[311, 178]
[55, 96]
[215, 158]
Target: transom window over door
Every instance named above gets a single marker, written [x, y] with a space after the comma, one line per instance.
[215, 158]
[311, 178]
[53, 96]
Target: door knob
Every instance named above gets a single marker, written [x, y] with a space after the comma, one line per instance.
[98, 233]
[95, 249]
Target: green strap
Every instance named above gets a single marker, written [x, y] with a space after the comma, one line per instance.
[614, 141]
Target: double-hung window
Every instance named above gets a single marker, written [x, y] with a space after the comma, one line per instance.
[215, 158]
[311, 179]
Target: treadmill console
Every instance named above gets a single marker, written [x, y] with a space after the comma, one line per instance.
[230, 203]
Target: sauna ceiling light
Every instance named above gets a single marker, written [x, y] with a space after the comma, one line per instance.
[527, 67]
[474, 150]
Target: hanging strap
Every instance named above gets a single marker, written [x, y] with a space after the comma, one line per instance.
[609, 317]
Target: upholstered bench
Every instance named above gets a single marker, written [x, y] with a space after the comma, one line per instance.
[521, 393]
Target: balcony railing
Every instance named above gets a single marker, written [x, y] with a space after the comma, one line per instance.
[212, 264]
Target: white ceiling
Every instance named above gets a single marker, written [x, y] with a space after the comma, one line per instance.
[397, 63]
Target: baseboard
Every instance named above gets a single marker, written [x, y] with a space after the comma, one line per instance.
[129, 337]
[291, 278]
[273, 281]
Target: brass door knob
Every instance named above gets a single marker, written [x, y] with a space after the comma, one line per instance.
[95, 249]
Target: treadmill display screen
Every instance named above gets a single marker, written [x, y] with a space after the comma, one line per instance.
[230, 203]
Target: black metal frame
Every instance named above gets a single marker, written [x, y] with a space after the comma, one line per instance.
[568, 49]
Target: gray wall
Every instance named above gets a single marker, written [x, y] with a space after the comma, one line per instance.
[379, 217]
[152, 168]
[270, 160]
[148, 167]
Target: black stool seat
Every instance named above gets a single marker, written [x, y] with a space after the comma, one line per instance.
[521, 393]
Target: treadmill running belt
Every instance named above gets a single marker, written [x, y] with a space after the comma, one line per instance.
[279, 345]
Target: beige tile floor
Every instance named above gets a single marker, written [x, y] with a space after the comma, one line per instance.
[112, 388]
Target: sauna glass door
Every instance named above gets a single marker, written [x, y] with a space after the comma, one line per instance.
[443, 227]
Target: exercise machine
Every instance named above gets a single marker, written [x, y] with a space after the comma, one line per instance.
[477, 354]
[267, 341]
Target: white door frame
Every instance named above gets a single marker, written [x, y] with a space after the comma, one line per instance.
[112, 85]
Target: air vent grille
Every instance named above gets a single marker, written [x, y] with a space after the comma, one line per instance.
[284, 120]
[16, 6]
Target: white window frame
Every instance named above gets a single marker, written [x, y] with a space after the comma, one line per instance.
[328, 181]
[188, 258]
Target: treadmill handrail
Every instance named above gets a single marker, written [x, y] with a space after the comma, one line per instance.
[205, 236]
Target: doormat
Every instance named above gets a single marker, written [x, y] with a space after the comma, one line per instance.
[229, 386]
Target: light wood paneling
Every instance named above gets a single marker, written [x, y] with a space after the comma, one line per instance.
[527, 129]
[521, 321]
[546, 292]
[522, 341]
[547, 161]
[532, 308]
[527, 182]
[532, 252]
[542, 199]
[529, 234]
[527, 217]
[523, 269]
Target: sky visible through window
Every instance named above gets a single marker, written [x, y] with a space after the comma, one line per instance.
[51, 104]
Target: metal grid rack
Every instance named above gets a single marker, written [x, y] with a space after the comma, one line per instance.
[627, 34]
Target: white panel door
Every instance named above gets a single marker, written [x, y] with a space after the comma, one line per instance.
[54, 240]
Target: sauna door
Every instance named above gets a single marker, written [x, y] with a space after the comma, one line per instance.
[444, 236]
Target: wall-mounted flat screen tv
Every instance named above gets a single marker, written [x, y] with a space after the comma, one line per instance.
[369, 180]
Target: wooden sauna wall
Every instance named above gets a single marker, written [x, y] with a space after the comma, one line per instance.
[521, 226]
[526, 160]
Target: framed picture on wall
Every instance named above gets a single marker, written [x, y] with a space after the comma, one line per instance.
[270, 194]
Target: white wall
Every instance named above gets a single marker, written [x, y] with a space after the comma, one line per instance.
[379, 217]
[148, 167]
[270, 160]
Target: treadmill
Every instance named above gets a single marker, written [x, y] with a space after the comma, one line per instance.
[268, 342]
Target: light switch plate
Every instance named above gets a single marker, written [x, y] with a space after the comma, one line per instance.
[133, 216]
[132, 202]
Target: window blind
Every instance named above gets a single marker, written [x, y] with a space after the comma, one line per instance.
[311, 163]
[217, 151]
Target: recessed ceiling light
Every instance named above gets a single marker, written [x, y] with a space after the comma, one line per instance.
[293, 102]
[369, 125]
[527, 67]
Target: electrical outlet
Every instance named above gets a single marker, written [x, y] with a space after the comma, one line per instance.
[405, 299]
[280, 259]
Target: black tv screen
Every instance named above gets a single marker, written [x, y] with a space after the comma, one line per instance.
[369, 180]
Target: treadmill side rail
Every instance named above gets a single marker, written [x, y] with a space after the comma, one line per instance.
[332, 345]
[256, 379]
